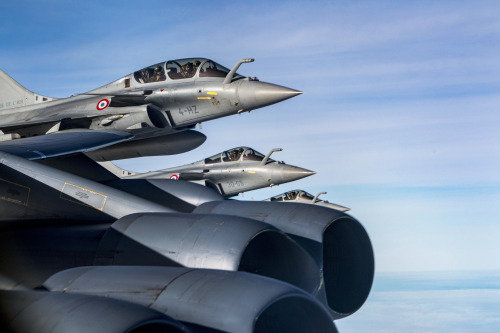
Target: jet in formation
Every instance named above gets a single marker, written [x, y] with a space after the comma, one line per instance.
[89, 247]
[158, 104]
[304, 197]
[230, 172]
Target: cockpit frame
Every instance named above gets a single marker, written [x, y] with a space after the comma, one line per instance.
[187, 68]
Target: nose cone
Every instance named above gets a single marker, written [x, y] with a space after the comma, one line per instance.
[255, 94]
[291, 173]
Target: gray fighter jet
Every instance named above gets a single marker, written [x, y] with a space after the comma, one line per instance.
[304, 197]
[80, 250]
[231, 172]
[84, 250]
[154, 102]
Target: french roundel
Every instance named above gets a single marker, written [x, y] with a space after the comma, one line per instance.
[103, 103]
[174, 177]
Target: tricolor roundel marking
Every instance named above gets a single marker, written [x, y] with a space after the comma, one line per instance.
[103, 103]
[174, 177]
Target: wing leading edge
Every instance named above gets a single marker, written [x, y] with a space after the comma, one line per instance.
[63, 143]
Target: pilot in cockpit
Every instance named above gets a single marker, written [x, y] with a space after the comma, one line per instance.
[144, 78]
[187, 70]
[234, 155]
[159, 75]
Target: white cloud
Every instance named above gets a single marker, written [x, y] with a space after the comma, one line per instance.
[427, 311]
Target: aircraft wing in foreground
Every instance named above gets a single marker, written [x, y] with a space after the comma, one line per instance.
[223, 266]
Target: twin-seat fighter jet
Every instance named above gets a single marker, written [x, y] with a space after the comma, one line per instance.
[230, 172]
[83, 249]
[153, 103]
[304, 197]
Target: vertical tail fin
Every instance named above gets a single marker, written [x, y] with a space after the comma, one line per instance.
[13, 95]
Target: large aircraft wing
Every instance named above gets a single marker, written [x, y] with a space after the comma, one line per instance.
[63, 143]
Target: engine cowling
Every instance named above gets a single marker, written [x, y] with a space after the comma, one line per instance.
[221, 300]
[337, 241]
[208, 241]
[56, 312]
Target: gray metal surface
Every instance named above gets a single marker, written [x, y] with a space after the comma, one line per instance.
[231, 172]
[210, 241]
[172, 94]
[63, 143]
[217, 265]
[337, 241]
[100, 197]
[56, 312]
[247, 302]
[151, 143]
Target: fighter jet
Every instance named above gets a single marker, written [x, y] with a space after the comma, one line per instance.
[83, 251]
[304, 197]
[230, 172]
[154, 102]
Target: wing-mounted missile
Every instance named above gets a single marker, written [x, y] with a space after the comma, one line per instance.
[301, 196]
[231, 172]
[225, 301]
[337, 241]
[56, 312]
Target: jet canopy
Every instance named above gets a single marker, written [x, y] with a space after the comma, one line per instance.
[183, 69]
[298, 195]
[236, 154]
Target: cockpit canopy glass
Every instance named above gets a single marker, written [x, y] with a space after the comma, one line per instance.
[213, 69]
[293, 195]
[183, 69]
[150, 74]
[305, 196]
[236, 154]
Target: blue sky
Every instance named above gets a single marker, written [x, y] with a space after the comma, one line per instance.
[399, 117]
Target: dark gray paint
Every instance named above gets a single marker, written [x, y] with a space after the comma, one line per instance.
[227, 301]
[56, 312]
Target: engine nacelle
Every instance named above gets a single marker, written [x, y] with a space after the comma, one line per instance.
[221, 300]
[56, 312]
[208, 241]
[336, 240]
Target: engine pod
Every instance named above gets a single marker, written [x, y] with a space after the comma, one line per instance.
[56, 312]
[337, 241]
[222, 300]
[208, 241]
